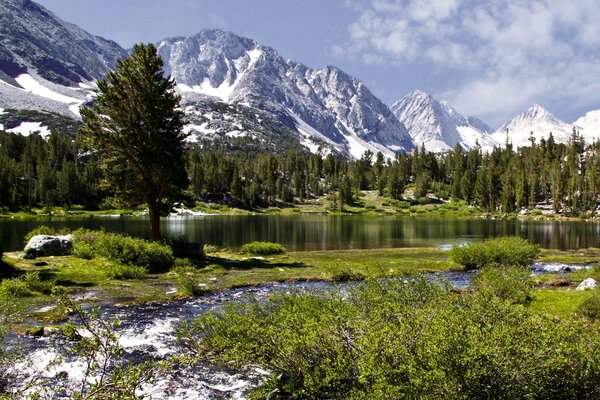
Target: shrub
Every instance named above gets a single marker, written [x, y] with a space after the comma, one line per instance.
[390, 339]
[186, 278]
[152, 256]
[83, 250]
[591, 307]
[263, 248]
[495, 252]
[210, 248]
[508, 283]
[25, 285]
[124, 272]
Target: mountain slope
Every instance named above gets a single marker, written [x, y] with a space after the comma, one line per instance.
[536, 121]
[326, 105]
[589, 126]
[33, 38]
[46, 63]
[437, 125]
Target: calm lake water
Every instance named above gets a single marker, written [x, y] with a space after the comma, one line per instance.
[322, 232]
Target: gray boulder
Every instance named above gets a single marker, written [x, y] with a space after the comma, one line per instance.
[589, 283]
[45, 245]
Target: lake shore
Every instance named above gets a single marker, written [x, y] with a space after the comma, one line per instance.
[86, 281]
[368, 203]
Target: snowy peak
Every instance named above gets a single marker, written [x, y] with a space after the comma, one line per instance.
[211, 62]
[325, 104]
[438, 125]
[589, 126]
[537, 122]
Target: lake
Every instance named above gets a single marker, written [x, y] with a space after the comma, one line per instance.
[323, 232]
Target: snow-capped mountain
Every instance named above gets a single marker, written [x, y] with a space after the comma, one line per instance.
[536, 121]
[325, 106]
[439, 126]
[589, 126]
[47, 63]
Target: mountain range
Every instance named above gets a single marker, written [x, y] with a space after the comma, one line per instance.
[240, 93]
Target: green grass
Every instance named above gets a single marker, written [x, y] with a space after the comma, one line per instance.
[561, 303]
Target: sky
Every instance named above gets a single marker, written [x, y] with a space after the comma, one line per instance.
[489, 59]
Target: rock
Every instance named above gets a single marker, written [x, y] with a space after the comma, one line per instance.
[45, 245]
[589, 283]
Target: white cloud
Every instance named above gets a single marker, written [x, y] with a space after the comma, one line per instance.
[500, 57]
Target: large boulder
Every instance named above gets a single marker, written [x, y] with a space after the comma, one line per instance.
[46, 245]
[589, 283]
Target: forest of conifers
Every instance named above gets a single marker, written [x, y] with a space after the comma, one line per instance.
[58, 172]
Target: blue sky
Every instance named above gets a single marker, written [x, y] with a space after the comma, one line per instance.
[490, 59]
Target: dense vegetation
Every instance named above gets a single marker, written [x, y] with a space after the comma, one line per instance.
[501, 251]
[563, 177]
[394, 338]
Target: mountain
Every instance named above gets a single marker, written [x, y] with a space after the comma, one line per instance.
[589, 126]
[47, 63]
[439, 126]
[536, 121]
[326, 107]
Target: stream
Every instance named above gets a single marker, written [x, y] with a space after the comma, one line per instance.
[148, 332]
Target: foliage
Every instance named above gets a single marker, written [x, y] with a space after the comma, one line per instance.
[124, 272]
[263, 248]
[186, 279]
[388, 338]
[154, 257]
[83, 250]
[210, 248]
[495, 252]
[44, 230]
[135, 127]
[507, 283]
[591, 307]
[25, 285]
[93, 338]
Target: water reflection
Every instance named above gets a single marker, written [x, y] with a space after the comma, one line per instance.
[321, 232]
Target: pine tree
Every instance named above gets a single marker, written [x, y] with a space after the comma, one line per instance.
[135, 126]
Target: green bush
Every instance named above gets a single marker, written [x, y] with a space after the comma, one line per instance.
[25, 286]
[186, 279]
[152, 256]
[509, 283]
[501, 251]
[83, 250]
[391, 339]
[591, 307]
[263, 248]
[125, 272]
[210, 248]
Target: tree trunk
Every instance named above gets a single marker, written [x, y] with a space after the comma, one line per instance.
[154, 220]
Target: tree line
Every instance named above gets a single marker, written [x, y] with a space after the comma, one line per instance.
[62, 172]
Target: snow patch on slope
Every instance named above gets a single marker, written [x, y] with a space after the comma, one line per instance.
[589, 126]
[33, 86]
[27, 128]
[225, 89]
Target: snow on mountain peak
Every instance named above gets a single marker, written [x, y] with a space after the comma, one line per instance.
[437, 124]
[537, 122]
[589, 126]
[235, 69]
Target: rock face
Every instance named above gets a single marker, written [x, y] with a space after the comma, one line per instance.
[45, 245]
[589, 283]
[322, 105]
[439, 126]
[34, 39]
